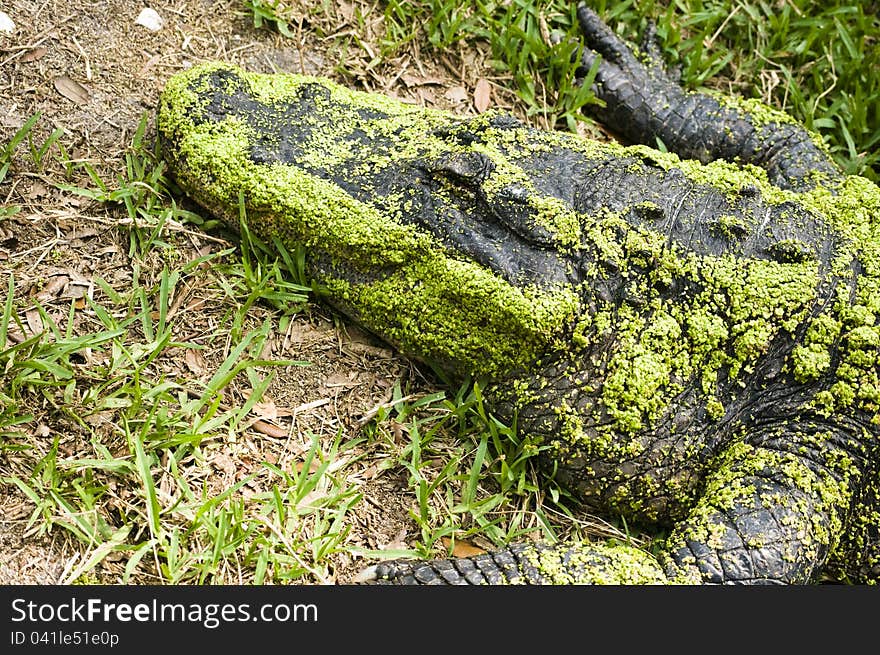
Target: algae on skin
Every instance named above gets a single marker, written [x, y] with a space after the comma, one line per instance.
[444, 309]
[597, 564]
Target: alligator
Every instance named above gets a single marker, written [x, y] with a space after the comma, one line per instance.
[688, 335]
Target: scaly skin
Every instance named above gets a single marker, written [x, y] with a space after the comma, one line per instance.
[696, 344]
[643, 102]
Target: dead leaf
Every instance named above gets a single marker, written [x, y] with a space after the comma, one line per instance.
[269, 348]
[270, 430]
[426, 98]
[269, 411]
[265, 411]
[314, 465]
[456, 94]
[398, 542]
[357, 348]
[397, 430]
[339, 380]
[37, 190]
[34, 321]
[225, 463]
[79, 236]
[71, 201]
[194, 361]
[53, 287]
[305, 407]
[71, 89]
[152, 61]
[15, 334]
[415, 80]
[462, 548]
[482, 95]
[370, 472]
[347, 10]
[77, 290]
[544, 29]
[33, 55]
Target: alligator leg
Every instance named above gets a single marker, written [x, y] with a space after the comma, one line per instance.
[767, 516]
[644, 102]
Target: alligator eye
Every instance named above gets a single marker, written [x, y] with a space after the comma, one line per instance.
[464, 166]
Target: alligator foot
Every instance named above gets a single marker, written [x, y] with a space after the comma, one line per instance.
[644, 103]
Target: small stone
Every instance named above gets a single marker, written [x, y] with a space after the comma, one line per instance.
[150, 19]
[6, 24]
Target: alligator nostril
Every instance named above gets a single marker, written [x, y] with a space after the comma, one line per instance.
[750, 191]
[731, 228]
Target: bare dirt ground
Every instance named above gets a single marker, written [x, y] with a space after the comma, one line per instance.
[92, 71]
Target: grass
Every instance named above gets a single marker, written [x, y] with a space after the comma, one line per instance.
[815, 60]
[538, 61]
[146, 433]
[474, 479]
[141, 434]
[271, 13]
[37, 151]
